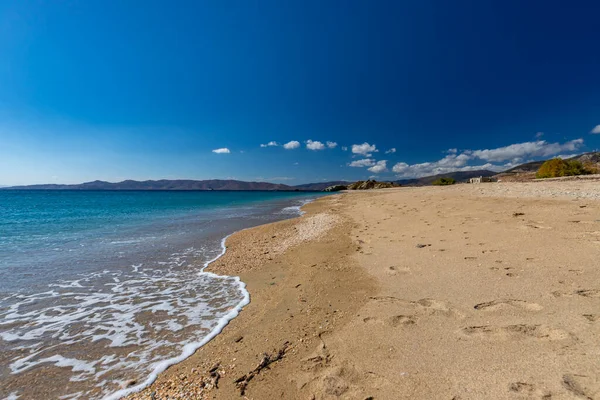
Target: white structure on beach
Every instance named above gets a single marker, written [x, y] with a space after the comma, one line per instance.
[481, 179]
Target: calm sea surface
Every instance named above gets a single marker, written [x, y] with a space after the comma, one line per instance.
[99, 291]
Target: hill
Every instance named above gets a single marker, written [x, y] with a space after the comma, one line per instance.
[459, 176]
[182, 184]
[592, 157]
[319, 186]
[524, 168]
[527, 171]
[370, 184]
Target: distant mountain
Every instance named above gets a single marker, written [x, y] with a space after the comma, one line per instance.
[527, 167]
[181, 184]
[319, 186]
[532, 167]
[369, 185]
[459, 176]
[213, 184]
[591, 157]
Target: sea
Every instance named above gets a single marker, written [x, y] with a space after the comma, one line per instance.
[102, 290]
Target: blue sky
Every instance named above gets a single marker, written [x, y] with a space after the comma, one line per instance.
[117, 90]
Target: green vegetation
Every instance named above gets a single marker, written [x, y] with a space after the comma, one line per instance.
[591, 168]
[558, 167]
[444, 182]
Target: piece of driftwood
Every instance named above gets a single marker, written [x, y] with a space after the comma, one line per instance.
[242, 382]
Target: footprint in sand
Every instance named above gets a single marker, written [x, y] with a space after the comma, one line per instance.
[402, 320]
[319, 358]
[372, 320]
[534, 225]
[393, 270]
[394, 321]
[573, 383]
[529, 390]
[498, 305]
[590, 293]
[576, 271]
[424, 306]
[515, 332]
[432, 306]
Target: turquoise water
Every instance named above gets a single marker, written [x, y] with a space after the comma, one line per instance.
[41, 227]
[102, 288]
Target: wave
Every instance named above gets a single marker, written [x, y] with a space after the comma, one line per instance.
[191, 348]
[297, 209]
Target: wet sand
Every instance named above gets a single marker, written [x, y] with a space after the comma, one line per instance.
[466, 292]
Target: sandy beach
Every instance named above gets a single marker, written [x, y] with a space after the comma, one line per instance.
[487, 291]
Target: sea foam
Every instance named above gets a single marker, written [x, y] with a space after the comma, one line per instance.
[148, 310]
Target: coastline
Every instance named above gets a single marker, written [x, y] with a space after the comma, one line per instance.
[258, 256]
[191, 348]
[411, 293]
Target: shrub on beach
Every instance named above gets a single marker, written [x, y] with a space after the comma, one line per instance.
[444, 182]
[558, 167]
[592, 168]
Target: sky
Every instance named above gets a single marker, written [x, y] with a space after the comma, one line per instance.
[292, 91]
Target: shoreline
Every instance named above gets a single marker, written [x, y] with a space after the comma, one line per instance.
[191, 348]
[288, 234]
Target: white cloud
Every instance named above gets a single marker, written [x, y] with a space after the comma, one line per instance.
[567, 156]
[404, 170]
[596, 130]
[367, 162]
[314, 145]
[539, 135]
[272, 143]
[222, 150]
[488, 166]
[510, 156]
[381, 166]
[540, 148]
[364, 149]
[451, 162]
[344, 148]
[331, 145]
[294, 144]
[401, 167]
[390, 151]
[509, 165]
